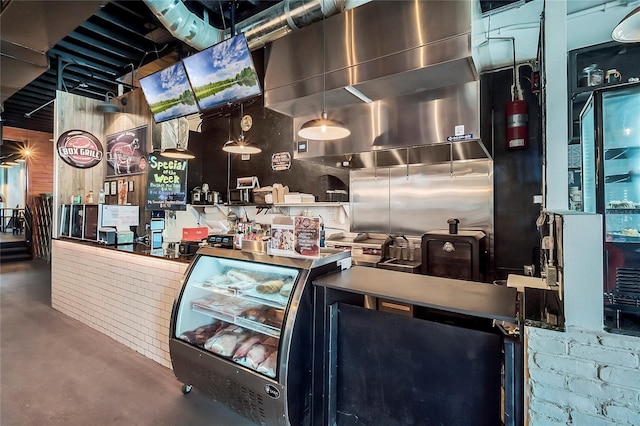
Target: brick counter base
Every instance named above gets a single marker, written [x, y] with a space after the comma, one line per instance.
[125, 296]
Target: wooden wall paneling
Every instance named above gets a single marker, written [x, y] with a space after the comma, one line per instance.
[73, 112]
[40, 163]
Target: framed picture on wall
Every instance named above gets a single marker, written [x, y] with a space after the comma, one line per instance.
[126, 152]
[122, 192]
[114, 188]
[130, 186]
[106, 188]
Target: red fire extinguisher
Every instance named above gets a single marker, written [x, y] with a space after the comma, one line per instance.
[516, 116]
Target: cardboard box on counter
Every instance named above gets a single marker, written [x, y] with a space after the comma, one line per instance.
[298, 198]
[278, 193]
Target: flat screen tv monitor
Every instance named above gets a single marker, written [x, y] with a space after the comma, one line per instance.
[169, 94]
[224, 73]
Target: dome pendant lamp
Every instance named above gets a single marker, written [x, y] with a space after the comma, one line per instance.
[628, 30]
[180, 153]
[323, 128]
[241, 146]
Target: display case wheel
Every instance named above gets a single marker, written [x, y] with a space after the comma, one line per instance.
[186, 389]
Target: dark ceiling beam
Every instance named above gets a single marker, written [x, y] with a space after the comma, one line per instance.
[108, 62]
[40, 87]
[142, 44]
[31, 98]
[104, 46]
[142, 14]
[95, 67]
[119, 23]
[20, 104]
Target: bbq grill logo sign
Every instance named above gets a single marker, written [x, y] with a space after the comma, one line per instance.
[79, 149]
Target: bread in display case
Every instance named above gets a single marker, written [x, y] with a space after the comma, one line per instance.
[241, 330]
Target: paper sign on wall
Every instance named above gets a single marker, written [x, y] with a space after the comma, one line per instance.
[280, 161]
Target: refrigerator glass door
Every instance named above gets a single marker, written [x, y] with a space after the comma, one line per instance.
[235, 309]
[65, 217]
[621, 151]
[589, 172]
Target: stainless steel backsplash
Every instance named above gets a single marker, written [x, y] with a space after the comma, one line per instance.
[414, 199]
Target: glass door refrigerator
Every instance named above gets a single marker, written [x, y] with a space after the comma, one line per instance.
[241, 331]
[610, 137]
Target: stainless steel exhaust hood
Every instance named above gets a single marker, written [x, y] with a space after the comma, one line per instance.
[416, 84]
[383, 49]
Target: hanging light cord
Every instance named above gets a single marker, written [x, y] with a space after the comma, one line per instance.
[241, 117]
[324, 65]
[229, 165]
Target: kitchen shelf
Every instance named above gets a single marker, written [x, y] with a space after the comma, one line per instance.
[622, 178]
[621, 153]
[320, 204]
[622, 211]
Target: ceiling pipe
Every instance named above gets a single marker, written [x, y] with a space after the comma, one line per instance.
[260, 29]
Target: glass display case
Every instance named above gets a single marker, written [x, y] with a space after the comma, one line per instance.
[241, 330]
[610, 133]
[235, 309]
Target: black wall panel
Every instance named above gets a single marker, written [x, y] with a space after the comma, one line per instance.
[271, 131]
[517, 173]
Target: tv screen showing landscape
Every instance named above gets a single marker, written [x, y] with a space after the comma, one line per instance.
[223, 73]
[169, 94]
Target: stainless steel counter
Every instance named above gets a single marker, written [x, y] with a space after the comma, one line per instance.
[463, 297]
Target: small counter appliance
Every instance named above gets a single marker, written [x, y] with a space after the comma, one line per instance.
[107, 236]
[460, 255]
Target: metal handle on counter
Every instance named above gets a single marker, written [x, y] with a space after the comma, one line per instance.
[395, 306]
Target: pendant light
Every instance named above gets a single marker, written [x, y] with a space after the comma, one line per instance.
[241, 146]
[108, 107]
[179, 152]
[323, 128]
[628, 30]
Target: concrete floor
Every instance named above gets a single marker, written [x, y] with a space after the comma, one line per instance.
[55, 371]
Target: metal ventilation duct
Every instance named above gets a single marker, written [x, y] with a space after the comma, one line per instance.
[259, 30]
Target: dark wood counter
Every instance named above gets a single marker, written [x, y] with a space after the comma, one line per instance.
[463, 297]
[135, 248]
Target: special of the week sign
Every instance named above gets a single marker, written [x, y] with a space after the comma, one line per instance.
[79, 149]
[166, 183]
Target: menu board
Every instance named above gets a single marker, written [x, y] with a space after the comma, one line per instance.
[295, 236]
[166, 183]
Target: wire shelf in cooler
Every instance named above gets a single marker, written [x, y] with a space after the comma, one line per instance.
[214, 289]
[272, 299]
[236, 312]
[259, 327]
[622, 211]
[212, 313]
[619, 237]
